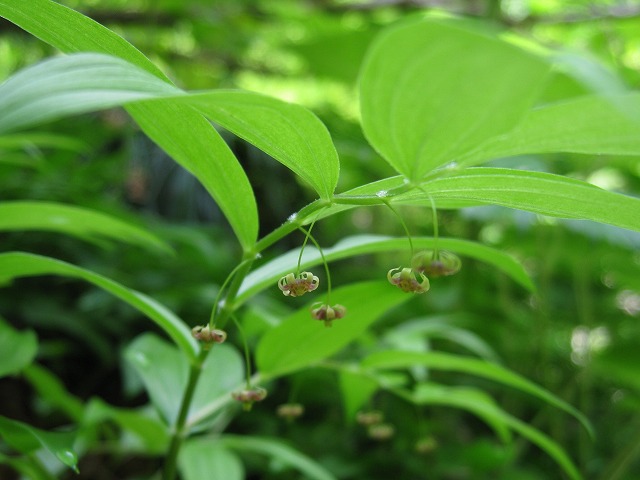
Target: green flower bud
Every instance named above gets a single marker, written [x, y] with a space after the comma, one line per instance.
[249, 396]
[381, 431]
[442, 264]
[408, 280]
[326, 313]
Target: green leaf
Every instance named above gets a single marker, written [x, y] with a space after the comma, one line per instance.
[72, 84]
[209, 458]
[179, 130]
[269, 273]
[592, 125]
[432, 89]
[70, 31]
[543, 193]
[164, 372]
[356, 389]
[477, 402]
[313, 341]
[289, 133]
[441, 327]
[149, 433]
[79, 222]
[52, 390]
[19, 348]
[189, 139]
[29, 140]
[278, 451]
[18, 264]
[27, 439]
[456, 363]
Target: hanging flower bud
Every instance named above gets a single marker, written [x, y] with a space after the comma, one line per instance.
[296, 286]
[369, 418]
[207, 336]
[408, 280]
[249, 395]
[426, 445]
[436, 264]
[290, 411]
[381, 431]
[326, 313]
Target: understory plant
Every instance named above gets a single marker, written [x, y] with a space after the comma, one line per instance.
[438, 96]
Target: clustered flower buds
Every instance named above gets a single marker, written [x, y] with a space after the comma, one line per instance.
[290, 411]
[408, 280]
[293, 286]
[208, 336]
[326, 313]
[436, 264]
[249, 395]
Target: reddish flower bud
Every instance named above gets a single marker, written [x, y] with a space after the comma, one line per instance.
[293, 286]
[326, 313]
[408, 280]
[436, 265]
[207, 336]
[249, 395]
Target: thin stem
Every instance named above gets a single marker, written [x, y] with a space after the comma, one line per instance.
[304, 244]
[247, 360]
[324, 261]
[179, 430]
[228, 308]
[434, 212]
[402, 222]
[219, 296]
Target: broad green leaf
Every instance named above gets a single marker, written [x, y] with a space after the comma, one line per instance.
[202, 151]
[477, 402]
[27, 439]
[149, 433]
[52, 390]
[72, 84]
[17, 264]
[592, 125]
[278, 451]
[189, 139]
[71, 220]
[432, 89]
[269, 273]
[209, 458]
[164, 372]
[290, 134]
[457, 363]
[18, 349]
[543, 193]
[313, 341]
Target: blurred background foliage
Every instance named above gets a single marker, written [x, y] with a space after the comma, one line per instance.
[577, 336]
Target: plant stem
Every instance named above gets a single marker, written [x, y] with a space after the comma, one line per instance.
[324, 261]
[402, 222]
[178, 435]
[304, 244]
[247, 359]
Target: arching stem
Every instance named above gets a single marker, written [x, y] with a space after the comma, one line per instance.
[222, 288]
[402, 222]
